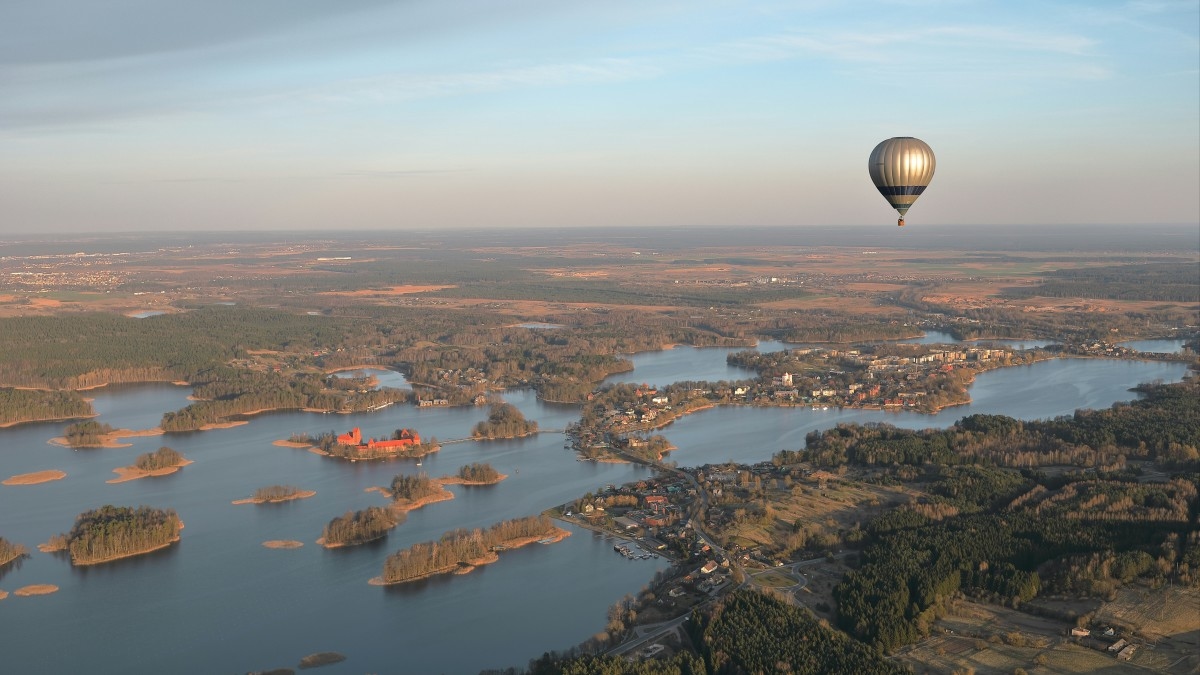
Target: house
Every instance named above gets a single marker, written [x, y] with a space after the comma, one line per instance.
[1080, 632]
[709, 567]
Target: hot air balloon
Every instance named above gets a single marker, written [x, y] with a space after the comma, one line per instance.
[901, 168]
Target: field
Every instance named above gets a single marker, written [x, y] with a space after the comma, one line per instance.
[995, 640]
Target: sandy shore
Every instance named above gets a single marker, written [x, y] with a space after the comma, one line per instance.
[407, 505]
[303, 494]
[283, 543]
[3, 595]
[35, 477]
[455, 480]
[112, 439]
[127, 473]
[491, 557]
[36, 589]
[291, 444]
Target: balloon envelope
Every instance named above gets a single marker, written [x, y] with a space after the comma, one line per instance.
[901, 168]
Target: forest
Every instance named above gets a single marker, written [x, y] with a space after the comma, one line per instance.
[504, 420]
[360, 527]
[745, 632]
[996, 527]
[26, 405]
[1164, 426]
[1160, 282]
[112, 532]
[461, 547]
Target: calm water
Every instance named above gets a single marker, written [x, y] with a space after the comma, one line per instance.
[1160, 346]
[220, 602]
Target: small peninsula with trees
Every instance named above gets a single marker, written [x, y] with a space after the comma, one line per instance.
[461, 551]
[114, 532]
[161, 462]
[10, 552]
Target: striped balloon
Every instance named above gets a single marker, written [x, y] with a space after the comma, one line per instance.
[901, 168]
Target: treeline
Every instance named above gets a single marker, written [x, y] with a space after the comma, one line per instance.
[112, 532]
[460, 547]
[86, 434]
[745, 632]
[1161, 282]
[72, 351]
[162, 458]
[227, 391]
[276, 493]
[412, 488]
[504, 420]
[1164, 426]
[27, 405]
[476, 472]
[360, 527]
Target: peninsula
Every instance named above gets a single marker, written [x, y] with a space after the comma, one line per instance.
[459, 552]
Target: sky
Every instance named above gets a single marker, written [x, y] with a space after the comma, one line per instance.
[148, 115]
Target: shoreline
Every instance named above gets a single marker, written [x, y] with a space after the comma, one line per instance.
[468, 566]
[160, 547]
[128, 473]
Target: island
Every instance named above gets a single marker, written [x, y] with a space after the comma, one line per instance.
[282, 543]
[161, 462]
[275, 494]
[354, 446]
[114, 532]
[35, 589]
[321, 659]
[504, 420]
[35, 477]
[461, 551]
[360, 527]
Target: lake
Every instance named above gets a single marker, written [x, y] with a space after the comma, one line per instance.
[220, 602]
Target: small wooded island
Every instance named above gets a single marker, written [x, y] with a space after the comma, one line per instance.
[88, 434]
[113, 532]
[504, 421]
[461, 551]
[275, 494]
[161, 462]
